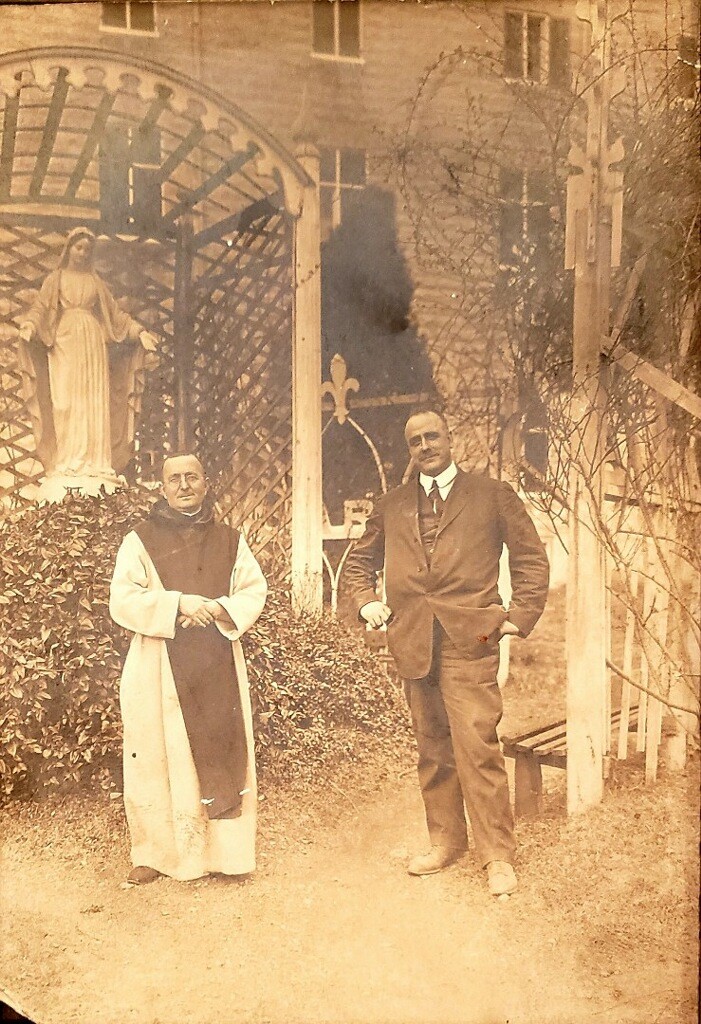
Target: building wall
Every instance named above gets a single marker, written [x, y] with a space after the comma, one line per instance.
[424, 70]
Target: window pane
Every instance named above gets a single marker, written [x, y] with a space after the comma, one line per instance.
[351, 202]
[142, 15]
[348, 27]
[511, 185]
[560, 53]
[326, 211]
[147, 201]
[534, 61]
[114, 178]
[535, 450]
[353, 166]
[686, 77]
[513, 46]
[146, 146]
[322, 14]
[511, 231]
[327, 164]
[539, 223]
[538, 190]
[114, 15]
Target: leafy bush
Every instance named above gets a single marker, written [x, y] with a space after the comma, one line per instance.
[316, 687]
[61, 658]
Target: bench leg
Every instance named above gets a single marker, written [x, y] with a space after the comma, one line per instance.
[528, 796]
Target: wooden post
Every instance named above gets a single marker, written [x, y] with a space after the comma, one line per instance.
[307, 525]
[592, 209]
[686, 647]
[627, 667]
[182, 334]
[655, 648]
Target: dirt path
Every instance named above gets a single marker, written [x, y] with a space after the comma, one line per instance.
[331, 929]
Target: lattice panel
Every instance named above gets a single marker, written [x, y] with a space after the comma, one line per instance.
[26, 256]
[242, 379]
[141, 275]
[141, 154]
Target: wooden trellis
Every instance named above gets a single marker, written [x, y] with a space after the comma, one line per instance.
[198, 213]
[242, 376]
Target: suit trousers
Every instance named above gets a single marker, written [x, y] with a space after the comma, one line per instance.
[455, 712]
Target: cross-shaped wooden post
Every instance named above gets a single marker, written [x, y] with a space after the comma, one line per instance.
[594, 208]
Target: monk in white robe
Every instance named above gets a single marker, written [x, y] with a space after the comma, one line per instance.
[188, 588]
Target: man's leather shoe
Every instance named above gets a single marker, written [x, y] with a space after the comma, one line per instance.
[143, 875]
[435, 860]
[501, 877]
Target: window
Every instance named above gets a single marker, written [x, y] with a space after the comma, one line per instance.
[525, 214]
[342, 176]
[336, 28]
[535, 448]
[132, 16]
[686, 71]
[537, 49]
[130, 186]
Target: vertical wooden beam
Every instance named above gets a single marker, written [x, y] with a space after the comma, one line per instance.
[7, 150]
[656, 635]
[307, 506]
[591, 204]
[586, 583]
[627, 667]
[686, 650]
[608, 626]
[182, 334]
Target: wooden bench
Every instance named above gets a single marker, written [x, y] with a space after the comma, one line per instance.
[546, 745]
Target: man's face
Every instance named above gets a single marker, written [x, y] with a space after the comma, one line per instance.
[184, 483]
[429, 443]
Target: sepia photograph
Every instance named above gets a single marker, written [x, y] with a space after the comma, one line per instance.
[350, 511]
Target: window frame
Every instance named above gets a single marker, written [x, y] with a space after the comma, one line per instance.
[338, 186]
[127, 29]
[133, 226]
[524, 204]
[336, 55]
[544, 80]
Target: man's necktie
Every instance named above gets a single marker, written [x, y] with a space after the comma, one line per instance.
[435, 498]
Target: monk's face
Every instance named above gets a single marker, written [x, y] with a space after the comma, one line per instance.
[184, 483]
[429, 443]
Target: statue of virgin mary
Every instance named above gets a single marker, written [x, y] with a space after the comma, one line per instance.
[82, 360]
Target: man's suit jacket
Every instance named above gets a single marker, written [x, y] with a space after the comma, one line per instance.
[459, 587]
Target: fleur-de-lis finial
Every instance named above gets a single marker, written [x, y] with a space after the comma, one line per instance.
[339, 386]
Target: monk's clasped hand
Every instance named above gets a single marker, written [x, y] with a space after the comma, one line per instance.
[193, 607]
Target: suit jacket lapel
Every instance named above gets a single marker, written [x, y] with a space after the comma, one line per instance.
[456, 500]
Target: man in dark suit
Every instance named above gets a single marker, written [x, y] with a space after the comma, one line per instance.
[439, 538]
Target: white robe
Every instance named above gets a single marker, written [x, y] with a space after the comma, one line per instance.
[169, 828]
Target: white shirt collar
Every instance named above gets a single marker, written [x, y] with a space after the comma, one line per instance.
[443, 479]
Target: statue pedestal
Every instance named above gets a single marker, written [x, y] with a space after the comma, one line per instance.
[55, 486]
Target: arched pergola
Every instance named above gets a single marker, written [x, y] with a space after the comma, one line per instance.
[210, 229]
